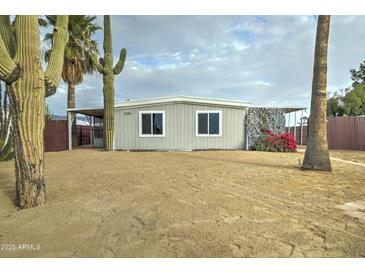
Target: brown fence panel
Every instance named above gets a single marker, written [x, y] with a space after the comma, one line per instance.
[298, 130]
[361, 132]
[85, 132]
[346, 133]
[55, 135]
[83, 135]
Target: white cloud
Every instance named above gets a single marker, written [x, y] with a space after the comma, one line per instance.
[240, 46]
[263, 83]
[265, 60]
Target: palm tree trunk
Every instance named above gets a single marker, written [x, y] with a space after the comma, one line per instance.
[317, 155]
[71, 104]
[70, 95]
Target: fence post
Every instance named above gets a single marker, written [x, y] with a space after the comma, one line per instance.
[301, 129]
[295, 126]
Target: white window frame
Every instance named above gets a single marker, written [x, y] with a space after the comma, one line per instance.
[151, 112]
[197, 134]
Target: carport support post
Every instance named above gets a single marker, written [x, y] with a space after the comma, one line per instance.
[289, 122]
[295, 126]
[93, 130]
[70, 120]
[301, 129]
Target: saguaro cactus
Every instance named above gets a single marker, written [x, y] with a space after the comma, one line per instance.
[6, 140]
[28, 85]
[105, 67]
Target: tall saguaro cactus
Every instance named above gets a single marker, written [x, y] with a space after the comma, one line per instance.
[28, 86]
[6, 140]
[105, 67]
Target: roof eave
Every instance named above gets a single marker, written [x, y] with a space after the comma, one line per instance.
[183, 99]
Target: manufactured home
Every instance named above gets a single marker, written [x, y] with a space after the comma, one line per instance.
[179, 123]
[176, 123]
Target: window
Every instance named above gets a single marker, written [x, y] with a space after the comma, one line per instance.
[151, 123]
[209, 123]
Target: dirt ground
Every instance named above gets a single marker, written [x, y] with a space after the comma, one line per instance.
[358, 157]
[185, 204]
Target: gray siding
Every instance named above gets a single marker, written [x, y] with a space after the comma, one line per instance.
[180, 128]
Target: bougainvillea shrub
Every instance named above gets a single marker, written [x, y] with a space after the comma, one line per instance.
[267, 118]
[269, 141]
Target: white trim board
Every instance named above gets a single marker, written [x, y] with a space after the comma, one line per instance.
[183, 99]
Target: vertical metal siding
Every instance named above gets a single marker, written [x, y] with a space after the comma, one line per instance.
[179, 128]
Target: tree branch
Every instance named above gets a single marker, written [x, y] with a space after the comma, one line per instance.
[99, 65]
[55, 64]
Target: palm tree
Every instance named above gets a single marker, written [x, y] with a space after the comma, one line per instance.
[317, 155]
[79, 51]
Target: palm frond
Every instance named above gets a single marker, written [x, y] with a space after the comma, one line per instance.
[80, 48]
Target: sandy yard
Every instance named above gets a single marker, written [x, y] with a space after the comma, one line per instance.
[186, 204]
[358, 157]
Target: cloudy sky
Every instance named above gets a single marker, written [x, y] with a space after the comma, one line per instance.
[266, 60]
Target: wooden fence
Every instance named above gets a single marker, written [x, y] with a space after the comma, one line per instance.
[346, 133]
[299, 134]
[56, 135]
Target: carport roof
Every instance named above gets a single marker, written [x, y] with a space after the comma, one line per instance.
[96, 112]
[286, 109]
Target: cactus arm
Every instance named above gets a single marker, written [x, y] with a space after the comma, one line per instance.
[7, 34]
[101, 61]
[120, 65]
[9, 70]
[7, 150]
[107, 45]
[99, 65]
[53, 72]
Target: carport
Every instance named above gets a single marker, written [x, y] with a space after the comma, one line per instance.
[95, 119]
[293, 126]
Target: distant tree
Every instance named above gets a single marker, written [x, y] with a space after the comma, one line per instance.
[351, 100]
[316, 154]
[49, 115]
[335, 104]
[354, 101]
[358, 76]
